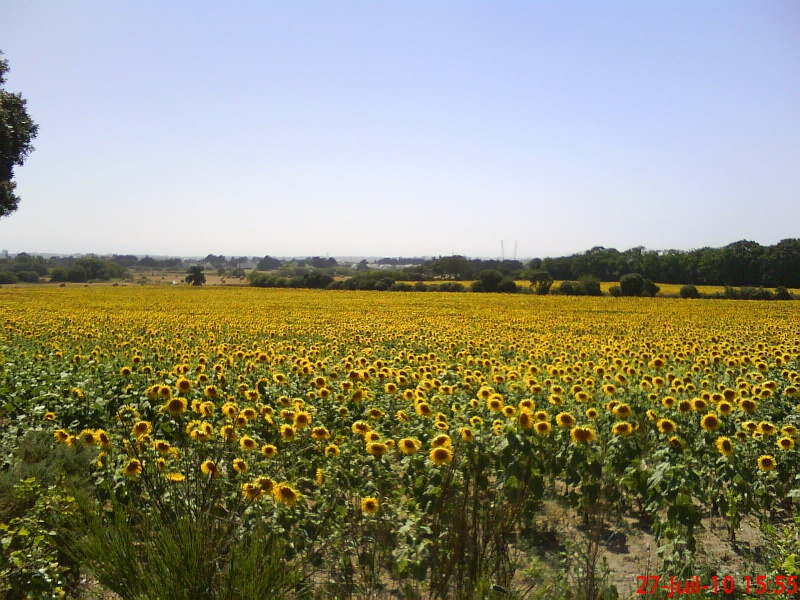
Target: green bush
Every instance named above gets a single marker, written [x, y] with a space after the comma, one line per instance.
[689, 291]
[631, 284]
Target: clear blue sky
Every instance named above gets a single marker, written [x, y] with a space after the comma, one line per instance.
[385, 128]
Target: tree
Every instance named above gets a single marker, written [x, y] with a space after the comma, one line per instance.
[631, 284]
[17, 131]
[196, 276]
[540, 280]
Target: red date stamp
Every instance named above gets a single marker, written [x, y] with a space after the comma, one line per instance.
[726, 586]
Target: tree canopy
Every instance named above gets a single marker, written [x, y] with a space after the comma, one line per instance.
[17, 131]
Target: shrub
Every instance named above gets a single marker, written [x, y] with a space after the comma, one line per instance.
[615, 291]
[781, 293]
[689, 291]
[590, 285]
[28, 276]
[7, 277]
[631, 284]
[649, 288]
[507, 286]
[570, 288]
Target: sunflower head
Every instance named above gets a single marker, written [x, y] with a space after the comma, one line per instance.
[370, 505]
[441, 455]
[767, 462]
[409, 445]
[582, 435]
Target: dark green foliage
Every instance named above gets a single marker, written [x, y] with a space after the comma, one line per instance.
[541, 281]
[383, 284]
[507, 286]
[7, 277]
[28, 276]
[689, 291]
[590, 285]
[17, 132]
[196, 276]
[781, 293]
[649, 288]
[569, 288]
[615, 291]
[631, 284]
[487, 281]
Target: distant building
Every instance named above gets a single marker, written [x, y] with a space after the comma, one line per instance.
[3, 253]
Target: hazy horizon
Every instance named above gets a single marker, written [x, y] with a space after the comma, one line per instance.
[404, 128]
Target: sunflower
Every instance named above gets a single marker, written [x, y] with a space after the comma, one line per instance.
[377, 448]
[409, 445]
[133, 468]
[162, 447]
[240, 466]
[750, 426]
[287, 432]
[175, 406]
[87, 437]
[666, 426]
[466, 434]
[747, 405]
[724, 446]
[230, 410]
[141, 428]
[710, 422]
[789, 430]
[785, 443]
[251, 491]
[285, 494]
[526, 420]
[424, 409]
[699, 405]
[49, 416]
[622, 411]
[61, 435]
[175, 477]
[102, 438]
[302, 420]
[766, 462]
[209, 467]
[565, 420]
[361, 428]
[675, 442]
[247, 443]
[211, 391]
[591, 413]
[332, 450]
[441, 455]
[724, 407]
[227, 433]
[622, 429]
[269, 450]
[668, 401]
[652, 415]
[685, 406]
[582, 435]
[766, 428]
[441, 441]
[542, 427]
[475, 421]
[184, 385]
[320, 433]
[249, 413]
[370, 505]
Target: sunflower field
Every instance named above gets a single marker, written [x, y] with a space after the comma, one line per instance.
[170, 442]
